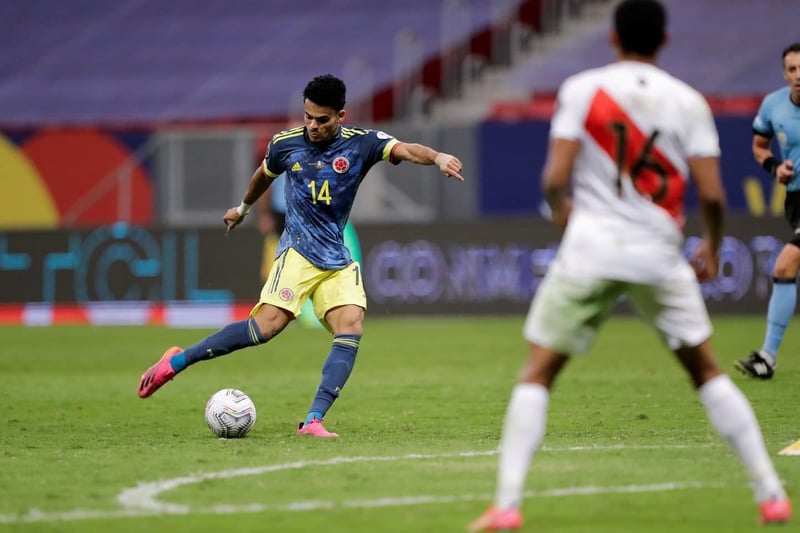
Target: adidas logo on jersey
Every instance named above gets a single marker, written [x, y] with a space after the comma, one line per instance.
[297, 167]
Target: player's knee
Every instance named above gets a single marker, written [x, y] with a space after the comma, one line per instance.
[786, 268]
[346, 320]
[271, 320]
[787, 264]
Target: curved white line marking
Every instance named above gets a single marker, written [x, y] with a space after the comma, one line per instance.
[143, 496]
[141, 499]
[38, 516]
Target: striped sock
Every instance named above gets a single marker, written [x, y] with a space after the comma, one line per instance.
[335, 372]
[232, 337]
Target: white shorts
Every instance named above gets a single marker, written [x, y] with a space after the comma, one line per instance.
[568, 310]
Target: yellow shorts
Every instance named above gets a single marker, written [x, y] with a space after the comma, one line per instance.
[292, 280]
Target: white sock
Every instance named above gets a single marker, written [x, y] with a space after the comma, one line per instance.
[523, 431]
[733, 418]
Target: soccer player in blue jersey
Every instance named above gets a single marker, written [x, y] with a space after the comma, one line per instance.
[779, 118]
[325, 162]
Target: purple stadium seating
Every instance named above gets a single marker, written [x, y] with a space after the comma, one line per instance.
[721, 47]
[144, 61]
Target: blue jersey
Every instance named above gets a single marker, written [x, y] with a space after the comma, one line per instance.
[779, 117]
[321, 184]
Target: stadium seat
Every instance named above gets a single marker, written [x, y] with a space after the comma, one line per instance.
[150, 61]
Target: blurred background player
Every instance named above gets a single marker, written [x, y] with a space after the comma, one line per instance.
[779, 118]
[628, 135]
[324, 163]
[271, 209]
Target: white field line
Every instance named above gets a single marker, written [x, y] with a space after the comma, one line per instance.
[141, 500]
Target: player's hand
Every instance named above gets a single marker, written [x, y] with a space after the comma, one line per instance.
[232, 219]
[560, 214]
[785, 172]
[705, 262]
[449, 165]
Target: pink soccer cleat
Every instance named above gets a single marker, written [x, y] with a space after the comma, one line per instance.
[315, 429]
[777, 511]
[158, 374]
[497, 520]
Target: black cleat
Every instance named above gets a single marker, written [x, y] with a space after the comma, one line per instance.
[761, 366]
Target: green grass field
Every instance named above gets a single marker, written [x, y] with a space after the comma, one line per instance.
[628, 446]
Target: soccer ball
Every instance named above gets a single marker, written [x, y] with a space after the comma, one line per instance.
[230, 414]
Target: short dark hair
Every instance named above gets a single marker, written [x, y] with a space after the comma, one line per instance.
[794, 47]
[326, 90]
[641, 26]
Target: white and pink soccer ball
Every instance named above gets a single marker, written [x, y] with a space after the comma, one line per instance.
[230, 414]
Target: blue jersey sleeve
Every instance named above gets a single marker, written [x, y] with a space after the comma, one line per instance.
[776, 119]
[762, 124]
[272, 163]
[378, 146]
[275, 158]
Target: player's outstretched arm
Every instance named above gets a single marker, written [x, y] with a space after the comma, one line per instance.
[259, 183]
[449, 165]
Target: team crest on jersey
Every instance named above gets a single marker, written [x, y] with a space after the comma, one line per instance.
[286, 294]
[340, 164]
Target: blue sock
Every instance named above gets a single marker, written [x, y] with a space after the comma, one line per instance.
[232, 337]
[335, 372]
[312, 415]
[779, 313]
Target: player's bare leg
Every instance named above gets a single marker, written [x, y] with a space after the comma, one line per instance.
[732, 416]
[271, 320]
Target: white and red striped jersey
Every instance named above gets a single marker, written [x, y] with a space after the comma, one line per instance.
[638, 126]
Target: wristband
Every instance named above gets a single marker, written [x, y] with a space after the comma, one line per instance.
[771, 165]
[243, 209]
